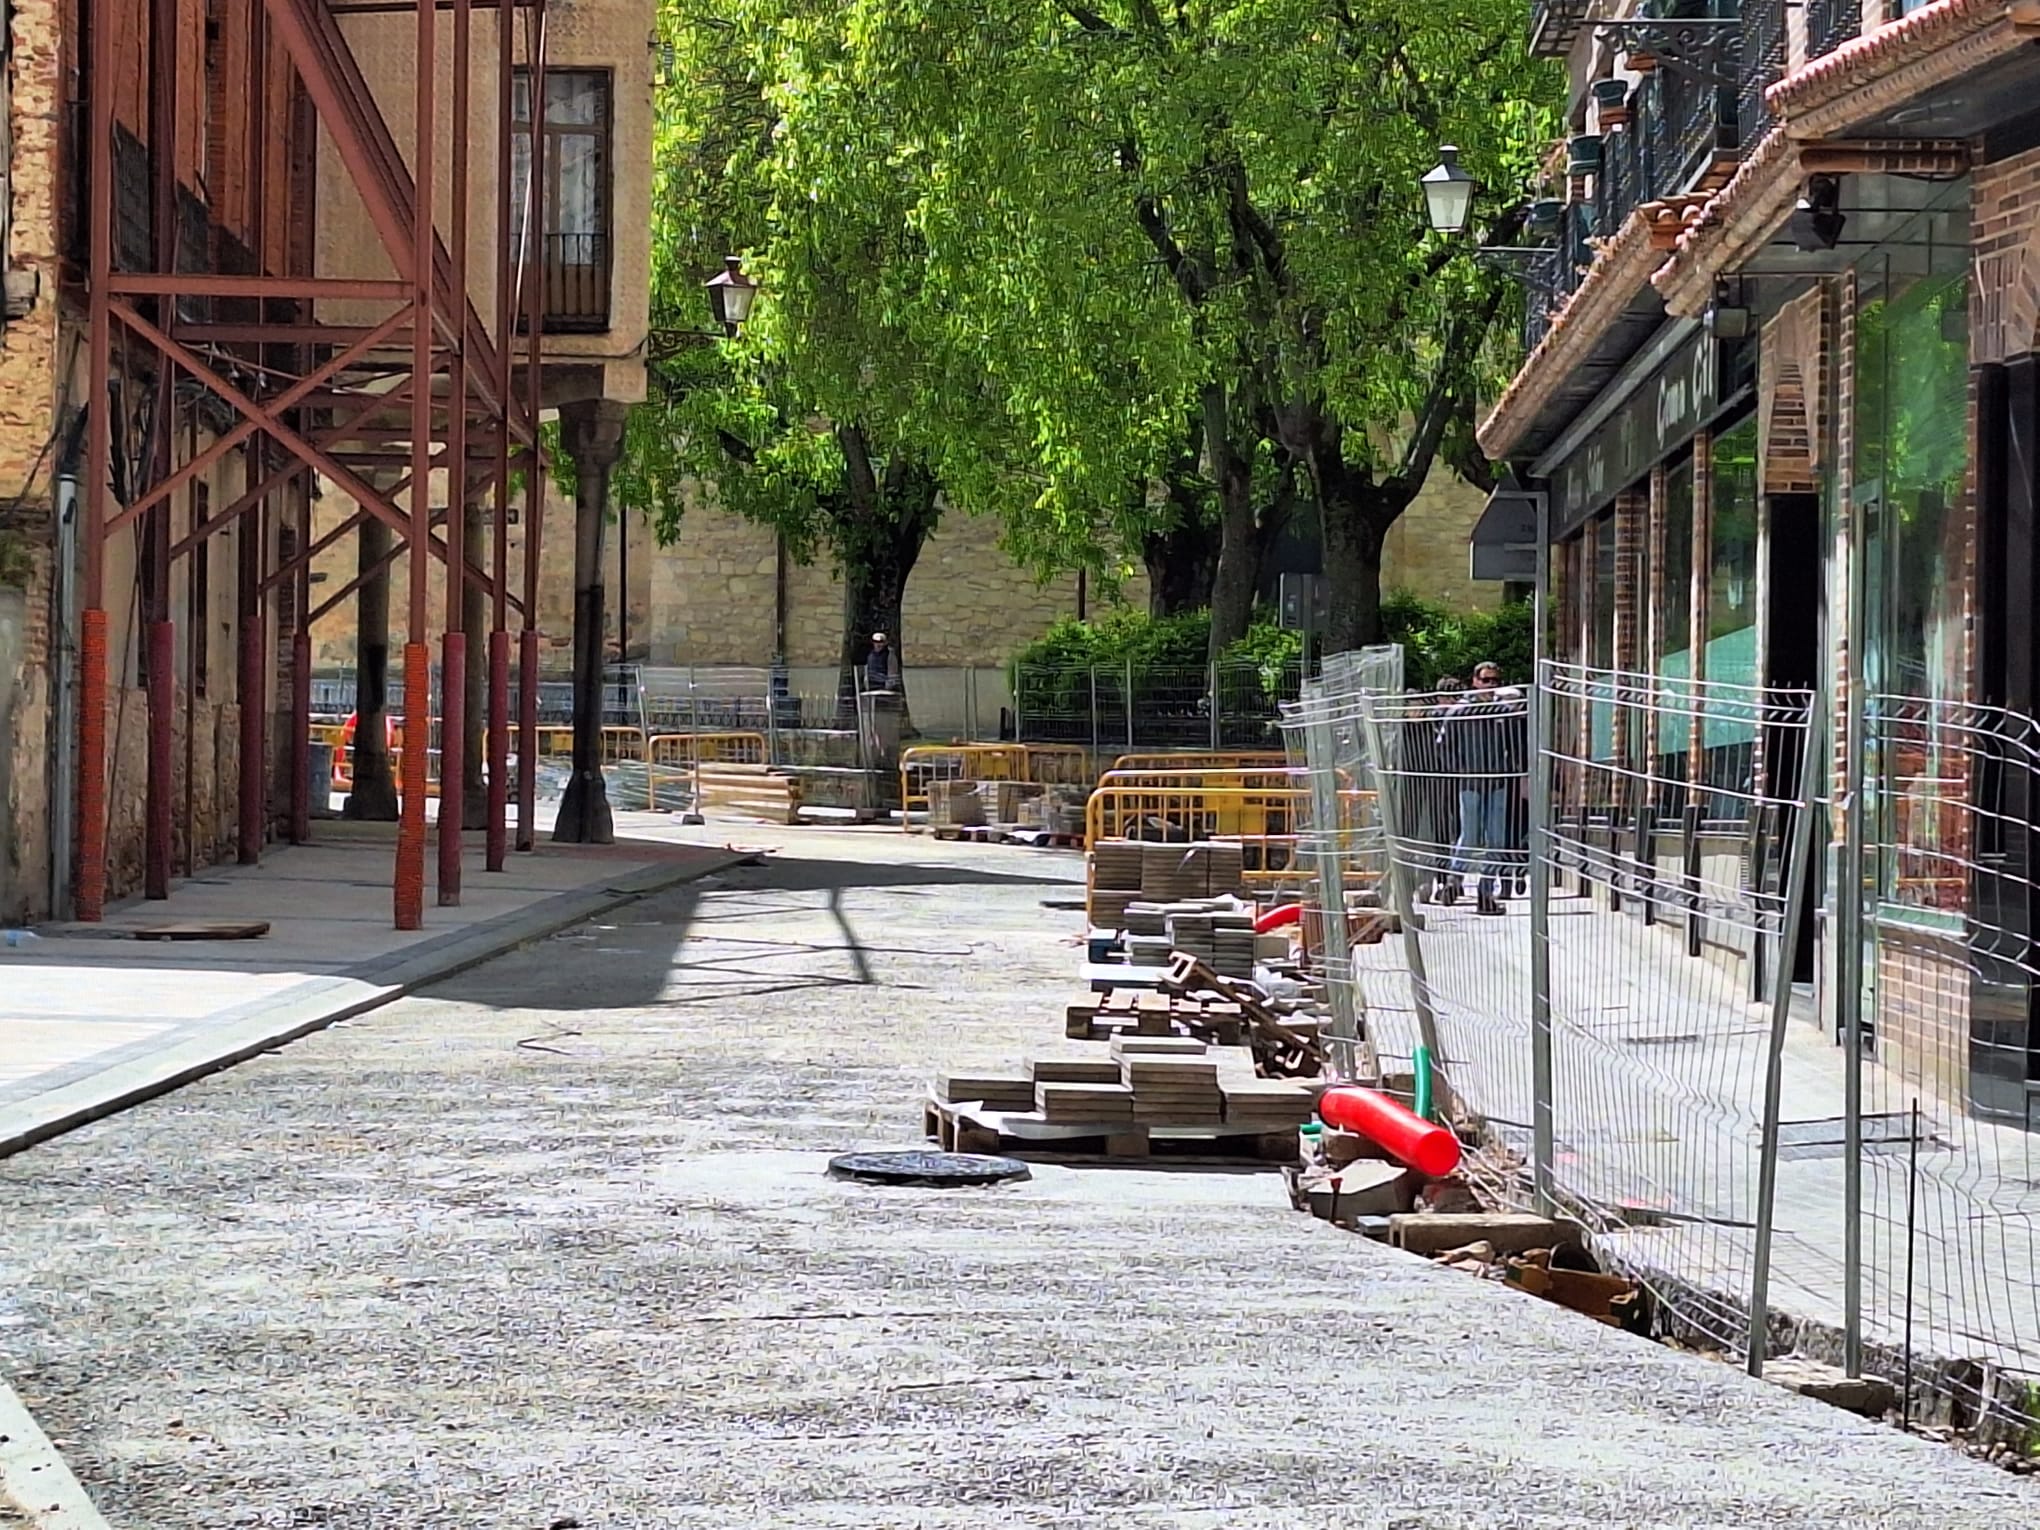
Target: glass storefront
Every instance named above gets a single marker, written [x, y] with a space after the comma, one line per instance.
[1912, 410]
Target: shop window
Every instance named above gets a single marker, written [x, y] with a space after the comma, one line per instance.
[1675, 615]
[1602, 658]
[1912, 457]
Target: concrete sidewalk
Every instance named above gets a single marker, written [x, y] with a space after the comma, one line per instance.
[93, 1020]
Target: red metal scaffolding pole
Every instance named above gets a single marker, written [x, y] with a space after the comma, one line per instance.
[453, 649]
[495, 852]
[534, 475]
[410, 878]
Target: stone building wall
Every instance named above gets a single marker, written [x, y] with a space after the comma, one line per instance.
[28, 398]
[708, 599]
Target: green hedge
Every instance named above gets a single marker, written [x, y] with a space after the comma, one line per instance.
[1437, 642]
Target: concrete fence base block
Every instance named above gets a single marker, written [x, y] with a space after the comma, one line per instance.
[1871, 1396]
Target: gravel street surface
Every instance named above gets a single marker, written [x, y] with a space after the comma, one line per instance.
[553, 1246]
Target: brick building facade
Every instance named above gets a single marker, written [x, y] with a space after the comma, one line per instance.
[1784, 394]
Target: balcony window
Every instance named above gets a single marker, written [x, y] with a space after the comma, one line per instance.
[573, 261]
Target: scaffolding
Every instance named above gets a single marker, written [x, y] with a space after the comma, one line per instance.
[240, 330]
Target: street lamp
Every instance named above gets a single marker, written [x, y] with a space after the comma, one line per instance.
[731, 293]
[1448, 193]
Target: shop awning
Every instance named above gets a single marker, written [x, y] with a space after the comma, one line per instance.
[1504, 540]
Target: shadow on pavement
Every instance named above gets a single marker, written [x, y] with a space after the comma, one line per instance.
[633, 957]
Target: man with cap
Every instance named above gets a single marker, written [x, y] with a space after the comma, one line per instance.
[881, 668]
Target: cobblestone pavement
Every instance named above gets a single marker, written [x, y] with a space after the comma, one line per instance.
[554, 1245]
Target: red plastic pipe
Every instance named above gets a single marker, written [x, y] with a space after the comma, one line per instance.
[1425, 1146]
[1281, 915]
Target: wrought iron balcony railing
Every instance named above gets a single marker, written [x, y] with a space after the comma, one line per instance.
[1553, 26]
[575, 284]
[1830, 23]
[1697, 108]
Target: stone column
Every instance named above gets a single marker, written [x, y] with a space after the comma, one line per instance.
[592, 432]
[374, 793]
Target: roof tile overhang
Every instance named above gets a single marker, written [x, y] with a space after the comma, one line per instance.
[1746, 213]
[1619, 271]
[1901, 59]
[1709, 236]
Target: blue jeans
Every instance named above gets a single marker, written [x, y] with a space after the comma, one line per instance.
[1483, 828]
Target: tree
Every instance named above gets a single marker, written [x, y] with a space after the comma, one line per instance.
[1228, 193]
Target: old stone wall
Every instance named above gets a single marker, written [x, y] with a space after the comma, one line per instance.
[28, 396]
[708, 599]
[24, 731]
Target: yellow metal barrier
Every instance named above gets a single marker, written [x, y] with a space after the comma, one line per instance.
[1222, 759]
[1058, 764]
[923, 763]
[673, 756]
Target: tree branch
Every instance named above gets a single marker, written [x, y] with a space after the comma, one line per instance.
[1155, 224]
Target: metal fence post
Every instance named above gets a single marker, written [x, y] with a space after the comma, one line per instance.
[1543, 1134]
[1217, 740]
[1096, 742]
[1795, 868]
[1849, 926]
[1126, 702]
[1388, 795]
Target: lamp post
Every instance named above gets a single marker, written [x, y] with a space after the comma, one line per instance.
[731, 294]
[1448, 193]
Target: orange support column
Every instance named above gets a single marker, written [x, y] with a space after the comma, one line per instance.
[499, 743]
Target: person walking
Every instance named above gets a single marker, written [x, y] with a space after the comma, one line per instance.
[1485, 737]
[881, 665]
[1433, 790]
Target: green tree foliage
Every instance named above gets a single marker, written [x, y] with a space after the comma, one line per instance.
[1204, 222]
[1140, 282]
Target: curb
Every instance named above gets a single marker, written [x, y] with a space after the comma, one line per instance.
[34, 1479]
[326, 1001]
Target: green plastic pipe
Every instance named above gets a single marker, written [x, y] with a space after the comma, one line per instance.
[1420, 1065]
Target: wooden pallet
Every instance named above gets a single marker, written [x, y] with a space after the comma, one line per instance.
[957, 1130]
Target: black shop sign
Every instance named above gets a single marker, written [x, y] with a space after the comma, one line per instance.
[1658, 417]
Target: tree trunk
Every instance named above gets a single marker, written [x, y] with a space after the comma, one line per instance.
[1237, 578]
[1354, 533]
[1182, 564]
[373, 796]
[878, 532]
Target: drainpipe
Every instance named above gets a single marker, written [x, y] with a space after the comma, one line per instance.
[64, 694]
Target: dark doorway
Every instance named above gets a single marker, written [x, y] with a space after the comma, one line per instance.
[1792, 647]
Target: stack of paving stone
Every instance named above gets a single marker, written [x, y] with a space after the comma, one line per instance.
[1177, 1086]
[1000, 1094]
[1218, 932]
[1266, 1104]
[1174, 873]
[1115, 882]
[955, 805]
[1080, 1089]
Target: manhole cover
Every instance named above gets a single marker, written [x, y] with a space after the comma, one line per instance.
[926, 1168]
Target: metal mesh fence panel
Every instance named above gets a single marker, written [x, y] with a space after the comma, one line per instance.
[1605, 1018]
[1939, 1001]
